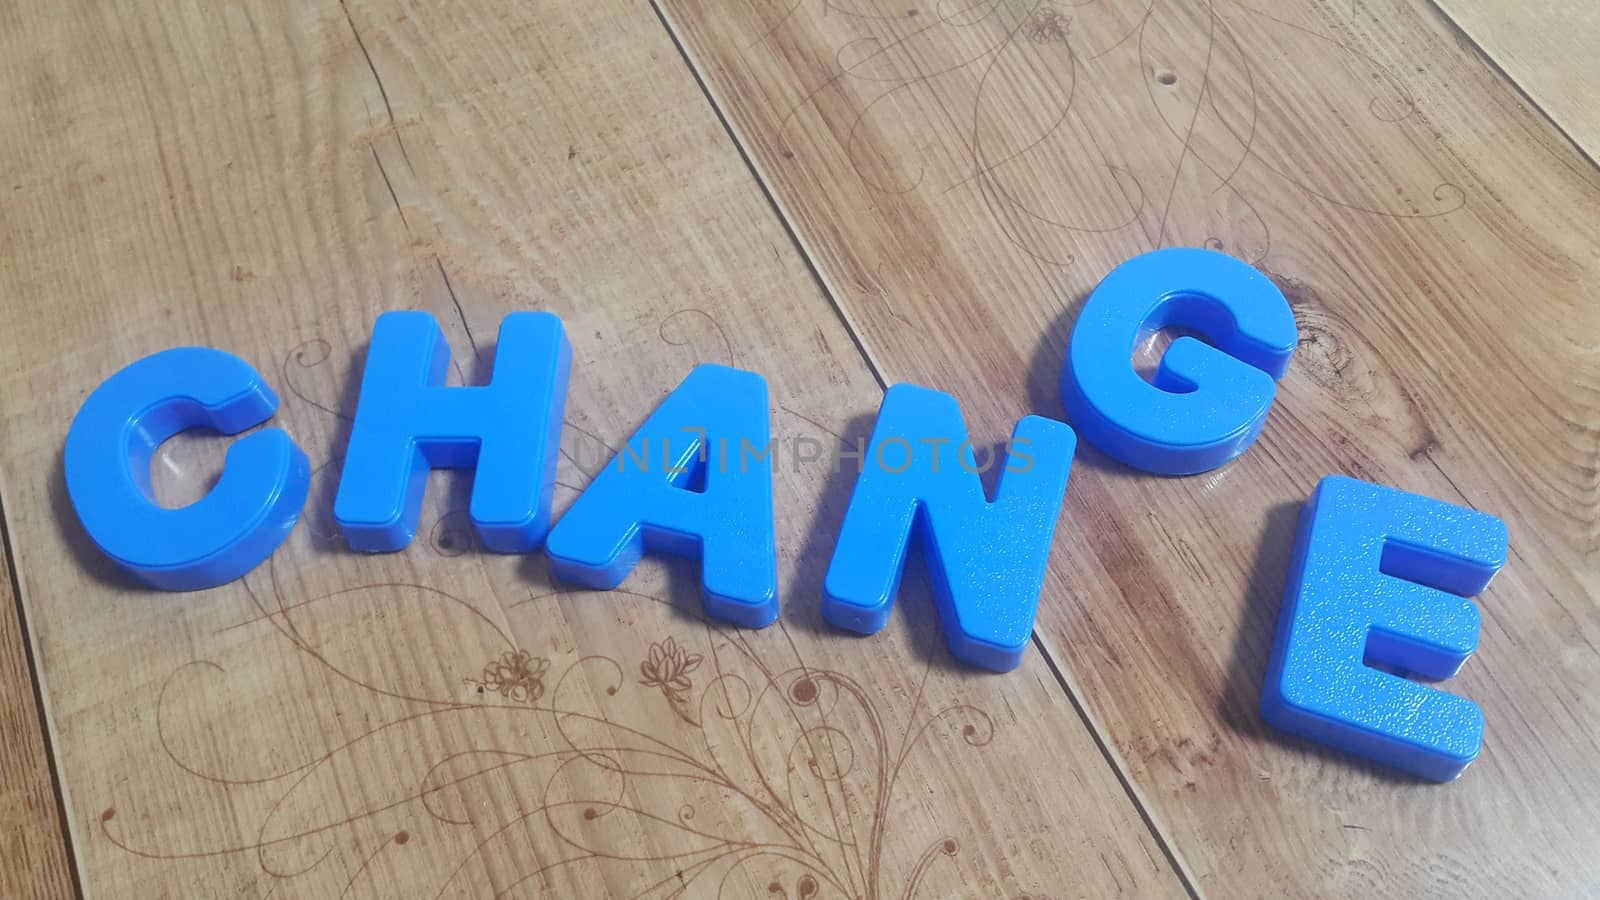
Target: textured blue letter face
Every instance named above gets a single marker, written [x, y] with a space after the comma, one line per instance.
[408, 422]
[1209, 400]
[712, 431]
[921, 474]
[225, 534]
[1382, 575]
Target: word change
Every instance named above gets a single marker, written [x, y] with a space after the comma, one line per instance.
[1378, 576]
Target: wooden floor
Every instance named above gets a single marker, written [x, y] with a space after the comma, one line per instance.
[840, 195]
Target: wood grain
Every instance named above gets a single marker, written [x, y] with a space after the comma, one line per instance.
[963, 174]
[33, 848]
[1548, 48]
[266, 178]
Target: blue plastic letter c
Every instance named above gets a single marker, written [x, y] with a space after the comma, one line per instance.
[223, 535]
[1208, 400]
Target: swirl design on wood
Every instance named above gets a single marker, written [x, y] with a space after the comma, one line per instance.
[1154, 122]
[784, 775]
[520, 741]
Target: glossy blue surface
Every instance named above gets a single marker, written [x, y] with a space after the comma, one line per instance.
[987, 559]
[691, 482]
[1381, 575]
[223, 535]
[408, 422]
[1209, 398]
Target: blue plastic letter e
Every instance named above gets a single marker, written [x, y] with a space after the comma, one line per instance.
[1381, 575]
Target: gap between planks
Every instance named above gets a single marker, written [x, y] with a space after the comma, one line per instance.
[42, 859]
[1063, 680]
[1525, 87]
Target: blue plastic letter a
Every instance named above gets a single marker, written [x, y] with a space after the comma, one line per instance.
[710, 433]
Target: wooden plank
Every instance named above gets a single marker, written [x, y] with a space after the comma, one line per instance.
[964, 174]
[1547, 47]
[266, 178]
[33, 846]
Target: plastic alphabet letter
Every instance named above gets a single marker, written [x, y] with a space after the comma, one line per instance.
[1208, 400]
[987, 560]
[712, 430]
[225, 534]
[1381, 575]
[408, 422]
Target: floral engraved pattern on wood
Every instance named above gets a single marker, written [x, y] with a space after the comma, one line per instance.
[529, 742]
[784, 778]
[668, 667]
[515, 675]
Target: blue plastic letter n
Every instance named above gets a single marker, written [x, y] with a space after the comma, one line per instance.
[408, 422]
[225, 534]
[1382, 576]
[694, 480]
[987, 560]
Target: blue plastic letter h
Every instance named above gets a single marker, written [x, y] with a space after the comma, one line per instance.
[408, 422]
[1382, 575]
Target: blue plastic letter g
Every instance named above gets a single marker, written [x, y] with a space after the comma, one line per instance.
[987, 560]
[225, 534]
[408, 422]
[712, 430]
[1208, 401]
[1382, 575]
